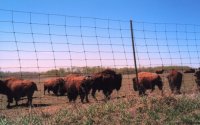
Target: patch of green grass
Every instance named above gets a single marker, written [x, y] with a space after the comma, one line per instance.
[5, 121]
[144, 110]
[30, 120]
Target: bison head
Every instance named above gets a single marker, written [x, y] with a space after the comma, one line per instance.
[89, 80]
[3, 88]
[60, 86]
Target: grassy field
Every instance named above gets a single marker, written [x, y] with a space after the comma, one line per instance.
[125, 107]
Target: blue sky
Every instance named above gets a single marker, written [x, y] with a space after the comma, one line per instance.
[168, 40]
[171, 11]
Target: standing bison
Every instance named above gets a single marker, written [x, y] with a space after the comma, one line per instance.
[197, 79]
[54, 85]
[17, 88]
[77, 85]
[175, 81]
[107, 81]
[147, 80]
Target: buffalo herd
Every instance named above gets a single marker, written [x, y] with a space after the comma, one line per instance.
[74, 85]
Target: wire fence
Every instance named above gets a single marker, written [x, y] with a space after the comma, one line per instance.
[33, 44]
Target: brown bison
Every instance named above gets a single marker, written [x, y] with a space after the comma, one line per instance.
[147, 80]
[189, 71]
[160, 71]
[175, 81]
[53, 85]
[107, 81]
[197, 79]
[77, 85]
[17, 88]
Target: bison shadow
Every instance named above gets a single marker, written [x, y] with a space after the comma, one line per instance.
[24, 105]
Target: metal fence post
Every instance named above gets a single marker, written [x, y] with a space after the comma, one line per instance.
[133, 46]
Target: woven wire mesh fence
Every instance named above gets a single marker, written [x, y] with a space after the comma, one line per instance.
[167, 46]
[39, 46]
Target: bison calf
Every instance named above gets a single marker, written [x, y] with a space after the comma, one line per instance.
[175, 81]
[147, 80]
[17, 88]
[54, 85]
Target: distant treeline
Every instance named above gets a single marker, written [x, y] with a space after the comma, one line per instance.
[86, 70]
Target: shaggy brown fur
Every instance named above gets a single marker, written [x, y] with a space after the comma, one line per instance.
[147, 80]
[54, 85]
[77, 85]
[175, 81]
[17, 88]
[107, 81]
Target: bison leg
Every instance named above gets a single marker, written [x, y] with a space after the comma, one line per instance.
[48, 91]
[10, 100]
[93, 94]
[161, 89]
[8, 105]
[86, 97]
[29, 102]
[55, 92]
[16, 101]
[178, 91]
[171, 87]
[142, 90]
[82, 96]
[152, 89]
[69, 97]
[107, 94]
[85, 94]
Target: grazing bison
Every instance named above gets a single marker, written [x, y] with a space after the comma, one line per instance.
[147, 80]
[160, 71]
[54, 85]
[175, 81]
[17, 88]
[107, 81]
[189, 71]
[197, 79]
[77, 85]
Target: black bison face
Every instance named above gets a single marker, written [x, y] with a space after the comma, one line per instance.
[1, 86]
[89, 80]
[3, 89]
[118, 81]
[60, 86]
